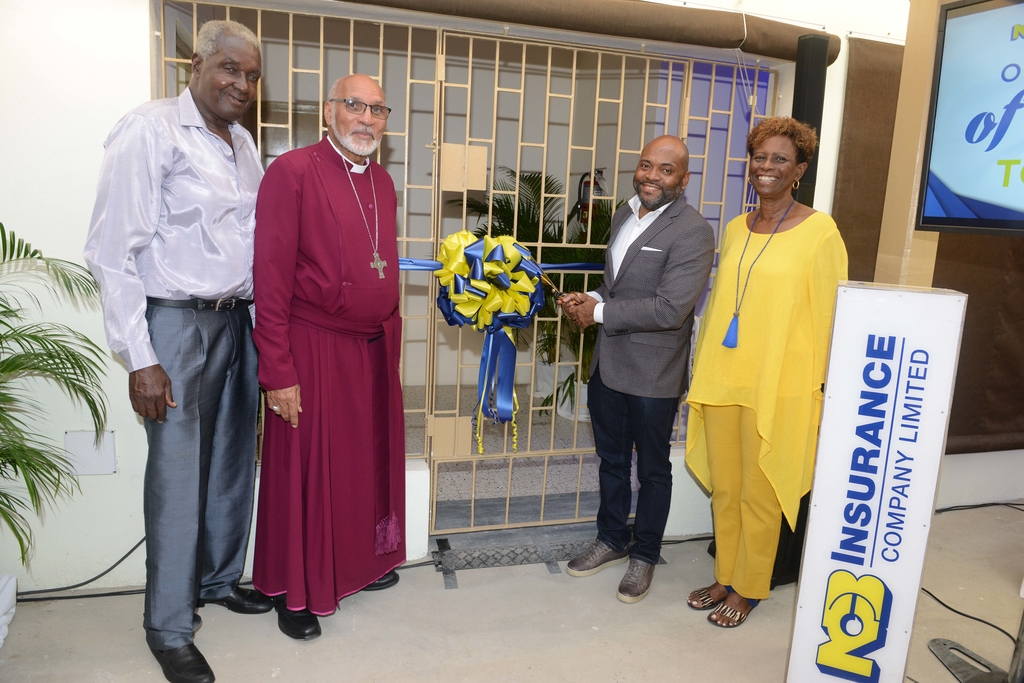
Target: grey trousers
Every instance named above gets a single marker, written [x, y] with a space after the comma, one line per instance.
[200, 474]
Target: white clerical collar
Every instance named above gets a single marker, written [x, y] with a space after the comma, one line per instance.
[355, 168]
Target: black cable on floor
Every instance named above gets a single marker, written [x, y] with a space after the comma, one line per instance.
[84, 583]
[956, 508]
[963, 614]
[428, 563]
[22, 597]
[111, 594]
[689, 540]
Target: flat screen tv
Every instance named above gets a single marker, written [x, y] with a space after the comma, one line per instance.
[973, 175]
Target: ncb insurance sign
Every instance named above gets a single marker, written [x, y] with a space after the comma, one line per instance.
[891, 369]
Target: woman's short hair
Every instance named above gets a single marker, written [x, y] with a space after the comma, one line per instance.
[803, 136]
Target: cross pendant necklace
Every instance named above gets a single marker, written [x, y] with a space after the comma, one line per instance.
[377, 263]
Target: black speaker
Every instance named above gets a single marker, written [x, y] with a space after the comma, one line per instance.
[809, 99]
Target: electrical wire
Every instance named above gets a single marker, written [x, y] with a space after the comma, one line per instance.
[111, 594]
[957, 508]
[84, 583]
[709, 537]
[23, 596]
[964, 614]
[428, 563]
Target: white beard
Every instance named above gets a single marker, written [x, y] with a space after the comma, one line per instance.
[354, 145]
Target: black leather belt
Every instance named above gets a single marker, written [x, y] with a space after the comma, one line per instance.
[201, 304]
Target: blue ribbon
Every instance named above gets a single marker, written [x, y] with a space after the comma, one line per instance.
[429, 265]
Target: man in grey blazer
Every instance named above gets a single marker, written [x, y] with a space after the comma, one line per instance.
[656, 266]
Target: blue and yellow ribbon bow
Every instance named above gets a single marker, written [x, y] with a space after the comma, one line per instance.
[491, 284]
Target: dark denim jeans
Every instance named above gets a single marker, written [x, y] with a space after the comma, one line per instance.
[620, 421]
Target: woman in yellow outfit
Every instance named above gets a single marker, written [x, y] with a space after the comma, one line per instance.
[755, 398]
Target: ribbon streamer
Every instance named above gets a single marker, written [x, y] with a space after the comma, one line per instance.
[431, 265]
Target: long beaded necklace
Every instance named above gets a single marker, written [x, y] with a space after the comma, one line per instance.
[732, 334]
[377, 262]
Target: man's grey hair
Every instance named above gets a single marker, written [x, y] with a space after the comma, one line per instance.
[212, 31]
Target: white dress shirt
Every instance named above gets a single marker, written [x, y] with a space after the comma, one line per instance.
[632, 228]
[174, 218]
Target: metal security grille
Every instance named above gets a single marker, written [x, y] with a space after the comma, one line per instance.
[524, 127]
[504, 136]
[303, 55]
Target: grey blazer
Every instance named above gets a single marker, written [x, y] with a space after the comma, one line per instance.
[644, 344]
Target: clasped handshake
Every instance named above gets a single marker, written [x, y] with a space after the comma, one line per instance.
[578, 307]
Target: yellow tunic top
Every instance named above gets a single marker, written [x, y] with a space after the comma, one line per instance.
[778, 366]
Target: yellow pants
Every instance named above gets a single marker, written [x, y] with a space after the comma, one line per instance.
[746, 510]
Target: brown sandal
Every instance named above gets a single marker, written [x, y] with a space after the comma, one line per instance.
[705, 599]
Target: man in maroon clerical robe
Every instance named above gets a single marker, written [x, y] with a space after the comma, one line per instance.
[331, 508]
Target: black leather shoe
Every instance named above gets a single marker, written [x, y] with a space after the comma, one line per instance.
[184, 664]
[298, 624]
[243, 601]
[386, 581]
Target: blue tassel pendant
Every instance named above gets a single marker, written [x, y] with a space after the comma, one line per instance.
[733, 333]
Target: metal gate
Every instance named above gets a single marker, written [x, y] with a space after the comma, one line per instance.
[497, 135]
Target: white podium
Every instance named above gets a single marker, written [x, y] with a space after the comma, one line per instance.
[891, 369]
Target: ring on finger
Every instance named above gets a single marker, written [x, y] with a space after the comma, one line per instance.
[276, 409]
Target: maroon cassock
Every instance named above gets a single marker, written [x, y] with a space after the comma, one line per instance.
[331, 509]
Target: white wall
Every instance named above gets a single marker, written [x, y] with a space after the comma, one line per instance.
[70, 71]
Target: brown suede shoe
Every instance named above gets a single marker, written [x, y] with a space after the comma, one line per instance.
[637, 581]
[597, 557]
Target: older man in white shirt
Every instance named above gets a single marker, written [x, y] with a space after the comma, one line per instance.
[171, 245]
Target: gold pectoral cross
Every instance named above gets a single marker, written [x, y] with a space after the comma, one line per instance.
[378, 264]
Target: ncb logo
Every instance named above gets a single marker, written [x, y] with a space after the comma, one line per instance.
[855, 619]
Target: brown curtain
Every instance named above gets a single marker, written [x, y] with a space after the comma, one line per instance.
[988, 401]
[869, 116]
[633, 19]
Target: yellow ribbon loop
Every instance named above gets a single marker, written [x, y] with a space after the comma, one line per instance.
[491, 284]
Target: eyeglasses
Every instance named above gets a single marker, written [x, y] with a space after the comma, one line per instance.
[378, 111]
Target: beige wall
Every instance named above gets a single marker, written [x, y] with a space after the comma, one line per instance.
[905, 256]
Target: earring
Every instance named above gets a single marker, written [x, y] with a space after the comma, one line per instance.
[796, 184]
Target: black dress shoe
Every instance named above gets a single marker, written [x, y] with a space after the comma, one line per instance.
[184, 664]
[386, 581]
[299, 624]
[243, 601]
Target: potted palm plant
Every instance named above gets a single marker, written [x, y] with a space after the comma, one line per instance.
[33, 470]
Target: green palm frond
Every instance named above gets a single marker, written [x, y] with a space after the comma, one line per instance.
[501, 214]
[20, 264]
[52, 352]
[11, 514]
[59, 354]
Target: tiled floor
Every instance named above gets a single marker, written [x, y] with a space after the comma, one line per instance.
[530, 623]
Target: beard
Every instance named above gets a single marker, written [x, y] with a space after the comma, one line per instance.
[664, 197]
[355, 145]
